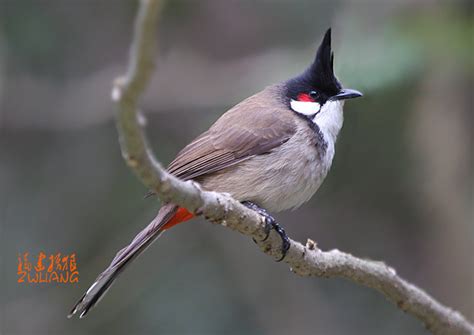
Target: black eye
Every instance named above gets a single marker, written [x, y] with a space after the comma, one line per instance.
[314, 94]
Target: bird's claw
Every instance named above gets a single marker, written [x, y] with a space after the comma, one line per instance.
[285, 241]
[270, 223]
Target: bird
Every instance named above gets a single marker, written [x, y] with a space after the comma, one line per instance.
[271, 152]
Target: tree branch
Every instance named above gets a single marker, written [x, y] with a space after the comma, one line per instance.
[218, 208]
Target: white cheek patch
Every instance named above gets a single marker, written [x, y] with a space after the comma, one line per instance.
[307, 108]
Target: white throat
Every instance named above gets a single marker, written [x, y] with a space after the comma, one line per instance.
[330, 119]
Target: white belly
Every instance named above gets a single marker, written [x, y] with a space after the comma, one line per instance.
[282, 179]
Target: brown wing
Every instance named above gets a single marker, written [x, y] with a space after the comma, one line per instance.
[253, 127]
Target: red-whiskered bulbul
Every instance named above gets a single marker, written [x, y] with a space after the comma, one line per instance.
[272, 151]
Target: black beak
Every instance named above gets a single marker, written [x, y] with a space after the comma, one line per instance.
[346, 93]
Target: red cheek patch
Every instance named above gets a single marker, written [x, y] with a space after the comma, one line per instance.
[304, 97]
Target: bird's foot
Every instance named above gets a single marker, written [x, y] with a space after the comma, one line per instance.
[270, 223]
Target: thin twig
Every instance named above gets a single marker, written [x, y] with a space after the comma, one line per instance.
[222, 209]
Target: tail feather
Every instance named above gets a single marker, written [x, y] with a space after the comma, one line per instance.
[144, 239]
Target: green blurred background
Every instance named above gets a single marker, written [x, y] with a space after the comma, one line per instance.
[401, 187]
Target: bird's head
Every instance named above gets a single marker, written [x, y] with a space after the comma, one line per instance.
[317, 88]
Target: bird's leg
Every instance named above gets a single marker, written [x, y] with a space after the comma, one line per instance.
[270, 223]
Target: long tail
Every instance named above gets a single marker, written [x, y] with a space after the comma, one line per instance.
[168, 216]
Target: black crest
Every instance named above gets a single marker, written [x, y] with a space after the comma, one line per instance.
[322, 69]
[320, 74]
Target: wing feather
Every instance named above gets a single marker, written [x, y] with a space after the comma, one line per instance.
[254, 127]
